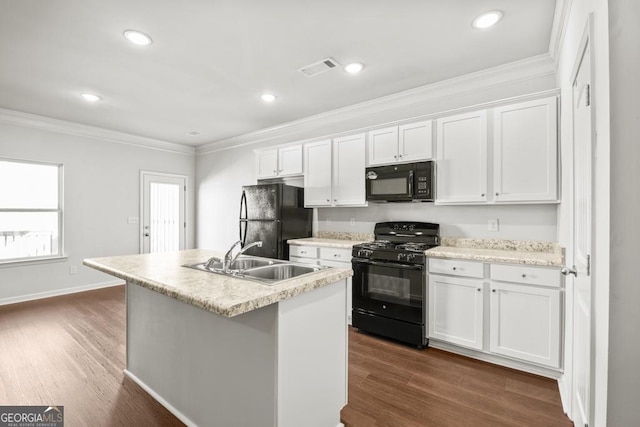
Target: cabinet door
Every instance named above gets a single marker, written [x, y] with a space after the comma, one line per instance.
[525, 323]
[415, 142]
[383, 146]
[348, 170]
[290, 160]
[525, 152]
[462, 158]
[456, 310]
[317, 173]
[267, 163]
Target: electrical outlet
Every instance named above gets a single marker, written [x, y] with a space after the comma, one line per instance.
[352, 222]
[133, 220]
[493, 225]
[73, 269]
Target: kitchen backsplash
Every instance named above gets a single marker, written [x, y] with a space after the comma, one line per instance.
[517, 222]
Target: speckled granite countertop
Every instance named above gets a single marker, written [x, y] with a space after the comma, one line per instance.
[224, 295]
[530, 252]
[333, 239]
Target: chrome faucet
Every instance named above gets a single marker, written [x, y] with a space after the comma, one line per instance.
[229, 258]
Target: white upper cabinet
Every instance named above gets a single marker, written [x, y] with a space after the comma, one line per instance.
[523, 167]
[334, 172]
[267, 163]
[525, 139]
[317, 176]
[383, 146]
[415, 141]
[349, 170]
[462, 158]
[282, 161]
[405, 143]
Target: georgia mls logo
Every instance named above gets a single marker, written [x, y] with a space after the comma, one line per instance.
[32, 416]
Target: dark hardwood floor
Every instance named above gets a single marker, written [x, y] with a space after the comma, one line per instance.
[70, 351]
[394, 385]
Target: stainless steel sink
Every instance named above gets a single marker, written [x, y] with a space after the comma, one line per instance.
[241, 263]
[264, 270]
[279, 272]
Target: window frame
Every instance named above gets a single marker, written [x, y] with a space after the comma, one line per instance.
[59, 210]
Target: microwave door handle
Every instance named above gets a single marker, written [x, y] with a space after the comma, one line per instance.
[410, 183]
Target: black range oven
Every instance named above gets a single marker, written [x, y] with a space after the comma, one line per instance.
[389, 283]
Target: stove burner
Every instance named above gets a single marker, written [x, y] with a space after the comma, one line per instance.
[413, 247]
[377, 244]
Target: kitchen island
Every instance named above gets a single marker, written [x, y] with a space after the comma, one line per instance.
[218, 350]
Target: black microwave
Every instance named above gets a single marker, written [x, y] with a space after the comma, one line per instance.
[400, 183]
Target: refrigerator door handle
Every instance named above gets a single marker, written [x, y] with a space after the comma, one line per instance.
[243, 204]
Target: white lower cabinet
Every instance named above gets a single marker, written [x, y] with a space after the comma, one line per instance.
[503, 310]
[525, 323]
[456, 310]
[327, 257]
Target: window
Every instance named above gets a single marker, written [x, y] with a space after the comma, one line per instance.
[30, 210]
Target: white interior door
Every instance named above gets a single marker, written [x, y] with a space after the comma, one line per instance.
[163, 212]
[582, 209]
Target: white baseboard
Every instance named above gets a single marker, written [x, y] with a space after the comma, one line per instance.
[58, 292]
[179, 415]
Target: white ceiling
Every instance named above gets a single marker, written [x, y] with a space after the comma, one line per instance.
[211, 59]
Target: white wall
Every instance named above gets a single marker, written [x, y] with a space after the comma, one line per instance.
[575, 25]
[624, 322]
[101, 190]
[221, 172]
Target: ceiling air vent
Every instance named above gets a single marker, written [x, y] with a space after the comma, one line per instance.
[318, 67]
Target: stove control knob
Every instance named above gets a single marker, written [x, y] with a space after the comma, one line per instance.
[411, 257]
[402, 256]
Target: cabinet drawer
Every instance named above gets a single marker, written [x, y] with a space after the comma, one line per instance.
[303, 251]
[336, 254]
[313, 261]
[456, 267]
[334, 264]
[528, 275]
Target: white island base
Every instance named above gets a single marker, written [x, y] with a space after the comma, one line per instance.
[282, 365]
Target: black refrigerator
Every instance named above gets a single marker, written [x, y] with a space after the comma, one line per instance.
[273, 214]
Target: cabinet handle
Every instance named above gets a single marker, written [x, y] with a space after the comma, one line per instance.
[336, 255]
[395, 157]
[280, 170]
[482, 195]
[454, 269]
[493, 290]
[335, 200]
[399, 156]
[497, 194]
[303, 252]
[524, 275]
[328, 200]
[479, 289]
[275, 171]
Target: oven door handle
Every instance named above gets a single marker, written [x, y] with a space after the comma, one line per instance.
[388, 264]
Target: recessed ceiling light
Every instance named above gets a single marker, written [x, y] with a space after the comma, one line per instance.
[138, 37]
[354, 67]
[487, 20]
[193, 133]
[268, 97]
[91, 97]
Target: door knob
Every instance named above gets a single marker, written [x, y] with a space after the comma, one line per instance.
[567, 271]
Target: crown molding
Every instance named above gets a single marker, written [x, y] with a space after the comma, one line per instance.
[70, 128]
[558, 29]
[526, 69]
